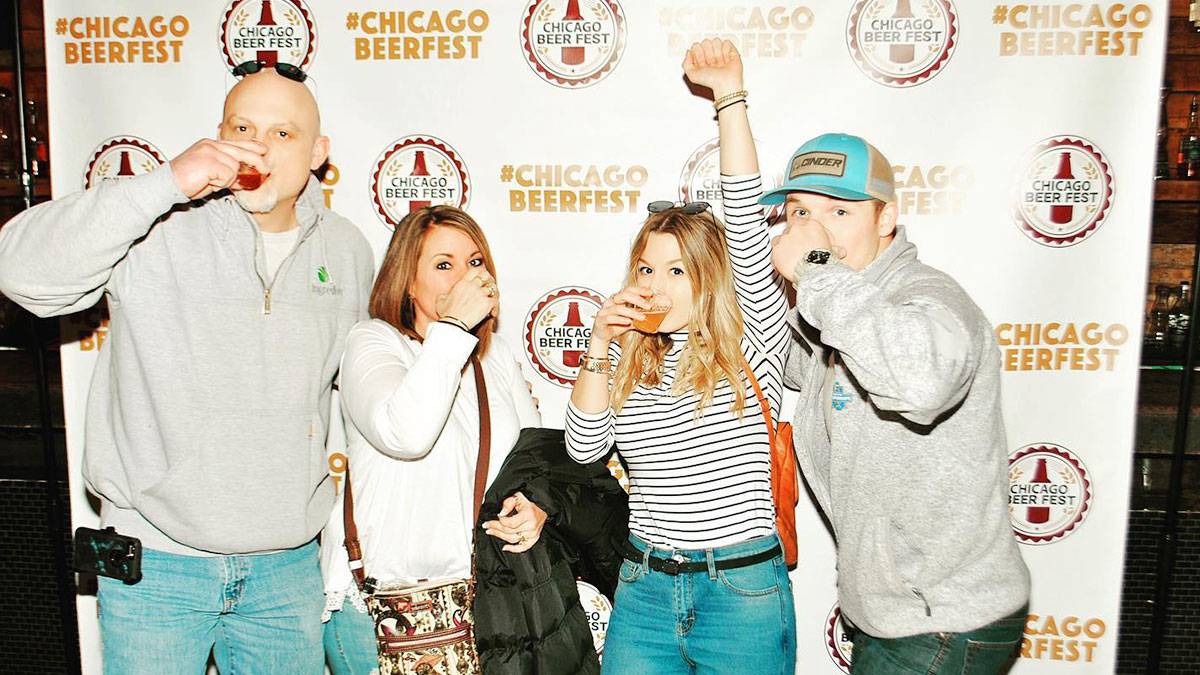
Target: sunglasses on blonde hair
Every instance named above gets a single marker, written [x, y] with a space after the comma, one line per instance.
[690, 208]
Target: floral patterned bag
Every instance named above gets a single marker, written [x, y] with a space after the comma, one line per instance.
[426, 629]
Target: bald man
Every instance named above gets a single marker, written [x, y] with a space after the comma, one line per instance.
[208, 410]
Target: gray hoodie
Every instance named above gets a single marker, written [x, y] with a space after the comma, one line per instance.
[903, 444]
[209, 405]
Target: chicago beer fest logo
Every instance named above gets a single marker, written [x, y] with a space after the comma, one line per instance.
[1049, 494]
[573, 43]
[415, 172]
[557, 331]
[268, 31]
[902, 43]
[838, 644]
[597, 609]
[1064, 192]
[121, 157]
[700, 180]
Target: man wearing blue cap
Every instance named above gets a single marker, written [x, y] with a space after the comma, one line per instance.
[898, 430]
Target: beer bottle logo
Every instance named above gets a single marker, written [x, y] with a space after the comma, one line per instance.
[902, 43]
[268, 31]
[415, 172]
[1049, 493]
[573, 43]
[1064, 192]
[121, 157]
[557, 331]
[838, 643]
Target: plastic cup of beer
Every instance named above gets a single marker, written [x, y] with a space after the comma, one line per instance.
[248, 178]
[660, 306]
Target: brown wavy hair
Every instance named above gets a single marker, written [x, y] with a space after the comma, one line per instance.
[713, 352]
[391, 298]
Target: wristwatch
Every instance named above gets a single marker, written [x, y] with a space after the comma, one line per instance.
[818, 256]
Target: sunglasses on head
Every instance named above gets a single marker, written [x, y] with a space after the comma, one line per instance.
[690, 208]
[288, 70]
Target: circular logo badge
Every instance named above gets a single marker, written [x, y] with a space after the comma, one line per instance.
[121, 157]
[837, 641]
[902, 43]
[573, 43]
[1049, 493]
[597, 608]
[700, 180]
[415, 172]
[1064, 192]
[557, 332]
[268, 31]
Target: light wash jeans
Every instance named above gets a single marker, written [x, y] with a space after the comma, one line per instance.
[350, 642]
[707, 623]
[256, 613]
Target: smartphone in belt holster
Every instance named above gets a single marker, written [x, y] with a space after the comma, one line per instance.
[108, 554]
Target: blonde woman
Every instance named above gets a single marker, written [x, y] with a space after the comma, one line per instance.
[704, 588]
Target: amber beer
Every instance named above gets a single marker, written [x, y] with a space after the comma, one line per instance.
[660, 306]
[248, 178]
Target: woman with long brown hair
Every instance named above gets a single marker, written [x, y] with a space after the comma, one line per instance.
[704, 587]
[413, 424]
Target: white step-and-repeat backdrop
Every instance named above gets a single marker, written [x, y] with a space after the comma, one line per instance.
[1022, 139]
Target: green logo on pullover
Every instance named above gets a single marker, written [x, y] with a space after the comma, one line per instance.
[322, 274]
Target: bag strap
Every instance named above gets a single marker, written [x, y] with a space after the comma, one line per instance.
[485, 442]
[354, 548]
[762, 401]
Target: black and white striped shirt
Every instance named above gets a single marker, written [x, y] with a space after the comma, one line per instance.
[704, 482]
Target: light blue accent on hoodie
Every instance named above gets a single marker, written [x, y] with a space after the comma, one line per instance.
[914, 476]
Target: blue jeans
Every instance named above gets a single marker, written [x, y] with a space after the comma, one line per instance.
[719, 621]
[256, 613]
[984, 651]
[350, 642]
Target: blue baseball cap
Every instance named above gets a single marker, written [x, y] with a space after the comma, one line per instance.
[839, 166]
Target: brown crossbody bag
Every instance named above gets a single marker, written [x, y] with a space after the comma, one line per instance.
[425, 630]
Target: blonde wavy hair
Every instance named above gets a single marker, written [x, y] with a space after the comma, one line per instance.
[713, 352]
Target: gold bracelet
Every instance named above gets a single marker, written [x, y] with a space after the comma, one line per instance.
[729, 97]
[594, 365]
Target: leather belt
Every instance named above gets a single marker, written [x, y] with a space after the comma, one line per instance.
[673, 567]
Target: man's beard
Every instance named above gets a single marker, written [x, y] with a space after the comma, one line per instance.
[262, 200]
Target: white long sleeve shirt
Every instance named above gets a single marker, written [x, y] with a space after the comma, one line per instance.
[412, 429]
